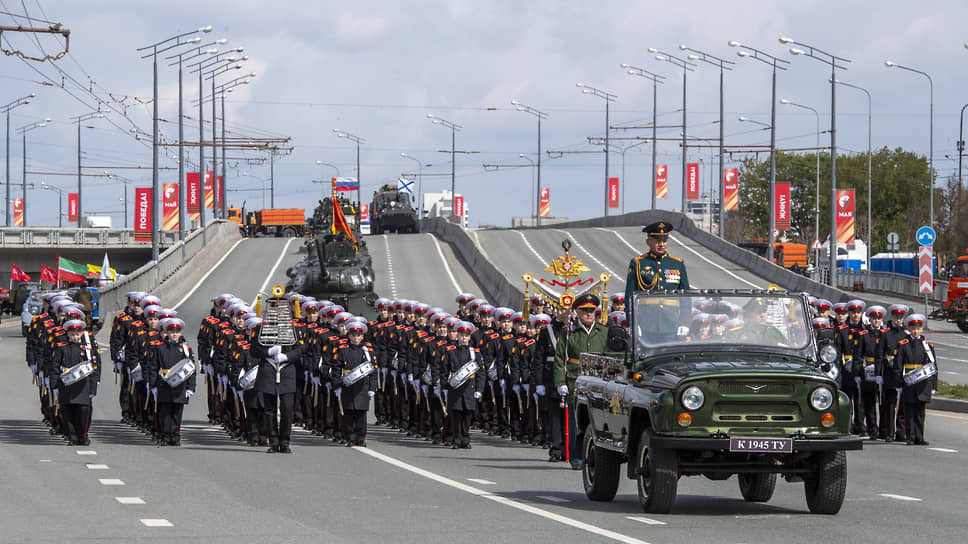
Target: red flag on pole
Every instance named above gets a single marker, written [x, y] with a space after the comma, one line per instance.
[339, 220]
[48, 274]
[17, 274]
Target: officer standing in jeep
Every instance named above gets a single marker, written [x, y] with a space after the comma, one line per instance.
[655, 270]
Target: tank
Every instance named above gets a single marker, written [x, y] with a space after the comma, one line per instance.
[322, 219]
[392, 211]
[335, 269]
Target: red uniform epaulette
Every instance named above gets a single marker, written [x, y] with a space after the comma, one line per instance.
[333, 338]
[408, 329]
[212, 319]
[61, 344]
[451, 348]
[344, 341]
[493, 335]
[863, 332]
[529, 342]
[142, 331]
[427, 339]
[521, 340]
[844, 326]
[442, 342]
[476, 350]
[421, 334]
[506, 336]
[369, 345]
[121, 315]
[138, 323]
[902, 342]
[400, 326]
[297, 323]
[312, 325]
[157, 343]
[342, 345]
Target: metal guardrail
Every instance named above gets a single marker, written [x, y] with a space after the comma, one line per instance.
[41, 237]
[888, 282]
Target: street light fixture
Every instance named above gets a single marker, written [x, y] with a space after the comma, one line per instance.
[539, 115]
[536, 210]
[891, 64]
[608, 97]
[6, 110]
[453, 156]
[835, 63]
[816, 209]
[419, 183]
[60, 202]
[359, 183]
[723, 66]
[80, 119]
[686, 66]
[656, 79]
[126, 182]
[24, 130]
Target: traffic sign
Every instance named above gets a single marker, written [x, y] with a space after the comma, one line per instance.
[925, 270]
[816, 244]
[925, 236]
[893, 238]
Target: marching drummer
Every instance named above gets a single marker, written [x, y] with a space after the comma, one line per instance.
[466, 379]
[916, 359]
[172, 379]
[356, 383]
[80, 371]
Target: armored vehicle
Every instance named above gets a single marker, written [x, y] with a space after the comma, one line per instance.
[335, 269]
[391, 211]
[750, 399]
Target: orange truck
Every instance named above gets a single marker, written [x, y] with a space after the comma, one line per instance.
[279, 222]
[785, 254]
[955, 307]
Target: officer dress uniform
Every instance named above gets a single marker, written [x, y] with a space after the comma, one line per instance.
[75, 399]
[654, 272]
[462, 401]
[171, 400]
[354, 398]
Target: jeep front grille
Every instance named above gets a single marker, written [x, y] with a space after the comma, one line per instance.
[753, 388]
[758, 412]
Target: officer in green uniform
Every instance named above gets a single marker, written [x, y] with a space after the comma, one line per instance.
[655, 270]
[587, 336]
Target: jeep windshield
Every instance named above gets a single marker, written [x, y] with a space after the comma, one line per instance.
[757, 321]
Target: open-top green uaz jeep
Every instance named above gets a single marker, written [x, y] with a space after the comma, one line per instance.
[714, 383]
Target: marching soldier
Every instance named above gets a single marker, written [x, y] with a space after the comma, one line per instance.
[588, 335]
[79, 372]
[850, 334]
[617, 303]
[916, 358]
[543, 378]
[655, 270]
[891, 425]
[872, 371]
[276, 383]
[355, 382]
[466, 379]
[120, 330]
[171, 399]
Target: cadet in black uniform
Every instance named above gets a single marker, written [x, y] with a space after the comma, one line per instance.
[277, 385]
[76, 397]
[465, 386]
[891, 425]
[355, 380]
[171, 400]
[914, 354]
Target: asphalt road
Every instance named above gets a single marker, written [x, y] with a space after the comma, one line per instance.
[214, 489]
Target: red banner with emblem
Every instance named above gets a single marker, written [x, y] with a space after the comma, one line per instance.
[731, 188]
[72, 206]
[364, 212]
[692, 181]
[544, 202]
[781, 221]
[192, 192]
[142, 214]
[459, 206]
[48, 274]
[661, 181]
[169, 206]
[209, 193]
[18, 212]
[613, 192]
[845, 216]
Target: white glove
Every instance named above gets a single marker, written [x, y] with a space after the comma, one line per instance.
[90, 396]
[683, 331]
[224, 379]
[517, 389]
[117, 367]
[274, 350]
[316, 381]
[857, 381]
[933, 391]
[425, 388]
[339, 392]
[393, 374]
[33, 369]
[502, 384]
[154, 391]
[305, 375]
[281, 358]
[527, 388]
[879, 380]
[540, 390]
[898, 391]
[436, 390]
[477, 394]
[445, 395]
[563, 390]
[410, 378]
[371, 393]
[189, 393]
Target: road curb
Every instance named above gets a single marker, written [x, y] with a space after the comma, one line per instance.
[949, 405]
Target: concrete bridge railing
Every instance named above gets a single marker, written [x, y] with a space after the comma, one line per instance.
[44, 237]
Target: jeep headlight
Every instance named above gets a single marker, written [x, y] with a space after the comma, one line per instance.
[828, 353]
[693, 398]
[821, 398]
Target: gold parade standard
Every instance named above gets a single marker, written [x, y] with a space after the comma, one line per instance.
[568, 270]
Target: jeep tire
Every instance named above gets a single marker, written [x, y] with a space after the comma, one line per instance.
[757, 487]
[601, 470]
[825, 489]
[658, 477]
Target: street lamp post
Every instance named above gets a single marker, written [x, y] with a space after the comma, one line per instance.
[834, 62]
[453, 156]
[539, 115]
[870, 195]
[961, 142]
[60, 202]
[359, 182]
[891, 64]
[154, 123]
[419, 183]
[222, 90]
[126, 182]
[608, 97]
[537, 212]
[766, 58]
[6, 180]
[24, 130]
[624, 149]
[686, 66]
[656, 79]
[79, 120]
[816, 205]
[723, 66]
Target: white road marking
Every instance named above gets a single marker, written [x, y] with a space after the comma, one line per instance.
[701, 256]
[480, 481]
[647, 521]
[207, 274]
[551, 498]
[944, 450]
[86, 452]
[953, 373]
[390, 278]
[581, 247]
[477, 242]
[45, 461]
[157, 522]
[92, 466]
[531, 247]
[951, 415]
[450, 273]
[634, 249]
[130, 500]
[502, 500]
[272, 272]
[899, 497]
[110, 481]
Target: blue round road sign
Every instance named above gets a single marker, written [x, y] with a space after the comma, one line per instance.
[925, 236]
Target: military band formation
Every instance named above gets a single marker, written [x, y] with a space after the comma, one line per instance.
[430, 374]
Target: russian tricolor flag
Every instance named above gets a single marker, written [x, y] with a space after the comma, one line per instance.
[346, 184]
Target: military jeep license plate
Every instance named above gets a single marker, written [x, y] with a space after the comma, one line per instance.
[760, 445]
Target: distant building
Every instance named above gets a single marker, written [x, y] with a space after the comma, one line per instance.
[439, 205]
[704, 213]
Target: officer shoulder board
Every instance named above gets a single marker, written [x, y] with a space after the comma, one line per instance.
[902, 342]
[428, 339]
[61, 344]
[507, 336]
[369, 345]
[343, 346]
[667, 256]
[529, 342]
[843, 326]
[493, 335]
[451, 348]
[862, 332]
[441, 342]
[157, 343]
[521, 340]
